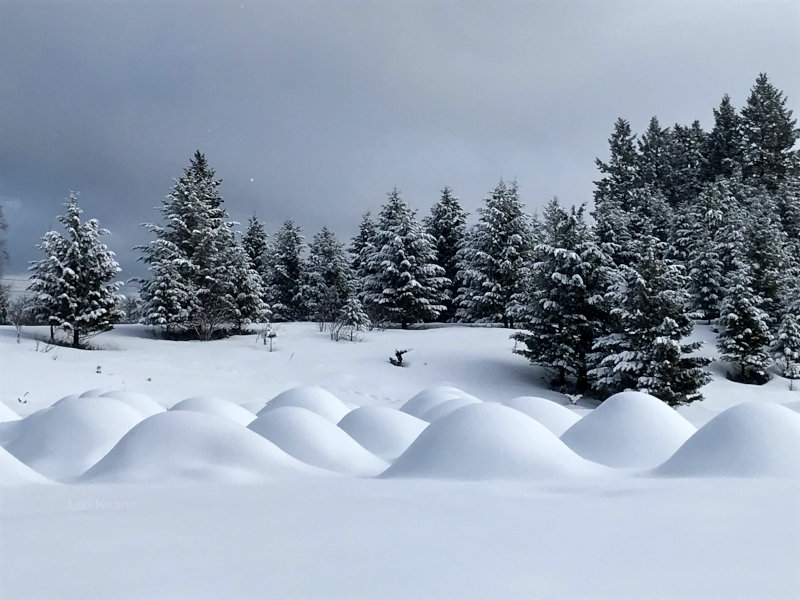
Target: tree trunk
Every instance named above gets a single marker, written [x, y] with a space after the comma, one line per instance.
[52, 333]
[76, 341]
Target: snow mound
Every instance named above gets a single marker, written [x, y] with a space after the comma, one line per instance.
[6, 414]
[94, 393]
[189, 446]
[630, 429]
[747, 440]
[488, 441]
[428, 399]
[141, 402]
[14, 473]
[217, 407]
[554, 416]
[64, 440]
[315, 399]
[384, 431]
[313, 439]
[447, 407]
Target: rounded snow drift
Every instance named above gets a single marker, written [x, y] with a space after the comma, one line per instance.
[141, 402]
[315, 399]
[630, 429]
[64, 440]
[313, 439]
[14, 473]
[428, 399]
[93, 393]
[554, 416]
[386, 432]
[747, 440]
[488, 441]
[188, 446]
[217, 407]
[6, 414]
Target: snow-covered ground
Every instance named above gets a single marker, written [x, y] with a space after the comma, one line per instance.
[156, 469]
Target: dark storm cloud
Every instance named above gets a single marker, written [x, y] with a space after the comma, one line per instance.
[313, 110]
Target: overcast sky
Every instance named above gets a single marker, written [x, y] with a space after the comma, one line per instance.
[314, 110]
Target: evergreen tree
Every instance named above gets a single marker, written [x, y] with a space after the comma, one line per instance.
[352, 318]
[725, 142]
[769, 136]
[766, 253]
[745, 334]
[255, 245]
[564, 305]
[621, 172]
[643, 349]
[73, 285]
[447, 225]
[247, 289]
[329, 276]
[492, 263]
[4, 294]
[403, 283]
[288, 291]
[786, 349]
[688, 166]
[198, 240]
[361, 247]
[654, 157]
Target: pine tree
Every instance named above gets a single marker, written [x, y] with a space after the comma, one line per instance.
[745, 334]
[643, 348]
[725, 142]
[564, 304]
[198, 240]
[255, 245]
[352, 318]
[769, 136]
[73, 283]
[362, 246]
[447, 225]
[247, 289]
[403, 283]
[786, 349]
[287, 288]
[621, 173]
[491, 265]
[688, 166]
[654, 156]
[329, 276]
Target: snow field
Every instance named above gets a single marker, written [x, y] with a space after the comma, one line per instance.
[384, 431]
[555, 417]
[217, 407]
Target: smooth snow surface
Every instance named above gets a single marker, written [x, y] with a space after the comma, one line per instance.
[748, 440]
[313, 398]
[447, 407]
[428, 399]
[141, 402]
[15, 473]
[66, 439]
[488, 441]
[384, 431]
[555, 417]
[217, 407]
[188, 446]
[6, 414]
[313, 439]
[630, 429]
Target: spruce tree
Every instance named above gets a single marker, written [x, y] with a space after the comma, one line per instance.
[745, 333]
[688, 164]
[769, 134]
[247, 289]
[725, 142]
[287, 288]
[643, 349]
[786, 349]
[403, 283]
[447, 225]
[255, 245]
[654, 157]
[492, 263]
[73, 284]
[621, 172]
[353, 318]
[329, 276]
[564, 305]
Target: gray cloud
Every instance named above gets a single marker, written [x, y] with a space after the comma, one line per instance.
[327, 105]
